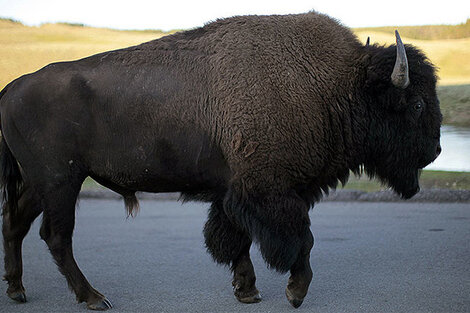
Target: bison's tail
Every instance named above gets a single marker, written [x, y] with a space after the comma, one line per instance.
[11, 181]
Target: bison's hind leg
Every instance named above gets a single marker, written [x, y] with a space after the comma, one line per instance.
[230, 246]
[17, 219]
[56, 230]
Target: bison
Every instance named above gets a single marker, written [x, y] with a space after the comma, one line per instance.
[258, 115]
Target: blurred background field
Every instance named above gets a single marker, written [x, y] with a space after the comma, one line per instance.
[25, 49]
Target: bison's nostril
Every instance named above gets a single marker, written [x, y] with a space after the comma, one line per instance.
[438, 150]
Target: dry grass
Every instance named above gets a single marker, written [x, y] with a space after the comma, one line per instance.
[426, 32]
[26, 49]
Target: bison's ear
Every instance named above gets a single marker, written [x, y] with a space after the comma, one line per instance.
[374, 75]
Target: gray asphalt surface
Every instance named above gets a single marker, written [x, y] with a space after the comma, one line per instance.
[368, 257]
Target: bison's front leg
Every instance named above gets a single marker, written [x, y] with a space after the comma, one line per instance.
[229, 245]
[244, 278]
[301, 274]
[280, 224]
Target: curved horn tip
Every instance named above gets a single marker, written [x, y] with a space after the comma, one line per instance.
[400, 75]
[368, 41]
[398, 38]
[397, 35]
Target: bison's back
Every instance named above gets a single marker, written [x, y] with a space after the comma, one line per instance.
[130, 126]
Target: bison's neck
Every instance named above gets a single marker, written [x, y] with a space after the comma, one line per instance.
[347, 120]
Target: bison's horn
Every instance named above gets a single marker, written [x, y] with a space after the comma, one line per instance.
[400, 77]
[368, 41]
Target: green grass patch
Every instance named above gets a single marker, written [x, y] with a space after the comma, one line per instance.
[428, 180]
[89, 183]
[455, 104]
[71, 24]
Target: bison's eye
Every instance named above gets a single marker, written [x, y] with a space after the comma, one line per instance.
[418, 106]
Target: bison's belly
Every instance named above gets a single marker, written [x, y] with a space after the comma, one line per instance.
[177, 161]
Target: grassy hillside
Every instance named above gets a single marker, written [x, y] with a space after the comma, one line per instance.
[426, 32]
[26, 49]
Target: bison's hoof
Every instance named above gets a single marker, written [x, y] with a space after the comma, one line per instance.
[295, 302]
[18, 296]
[250, 296]
[249, 299]
[101, 305]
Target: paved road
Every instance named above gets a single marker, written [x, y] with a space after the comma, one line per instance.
[368, 257]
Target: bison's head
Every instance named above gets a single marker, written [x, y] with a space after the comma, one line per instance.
[405, 119]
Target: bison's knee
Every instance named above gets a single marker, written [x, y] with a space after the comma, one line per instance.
[278, 223]
[223, 240]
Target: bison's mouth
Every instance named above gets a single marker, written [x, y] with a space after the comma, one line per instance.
[407, 194]
[406, 185]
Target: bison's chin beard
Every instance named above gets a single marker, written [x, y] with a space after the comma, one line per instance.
[404, 182]
[408, 193]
